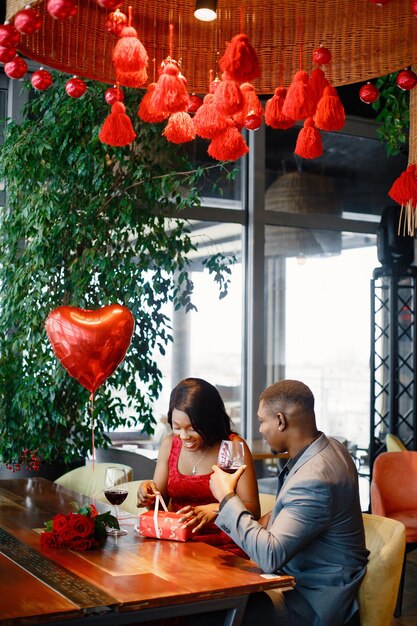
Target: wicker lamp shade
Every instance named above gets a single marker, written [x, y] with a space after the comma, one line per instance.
[365, 40]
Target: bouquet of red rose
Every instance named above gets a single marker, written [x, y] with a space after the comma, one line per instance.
[82, 530]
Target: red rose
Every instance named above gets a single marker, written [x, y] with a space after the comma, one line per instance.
[81, 526]
[81, 544]
[50, 540]
[60, 523]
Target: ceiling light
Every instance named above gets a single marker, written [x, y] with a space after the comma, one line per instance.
[205, 10]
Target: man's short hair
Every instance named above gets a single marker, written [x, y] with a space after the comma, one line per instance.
[288, 392]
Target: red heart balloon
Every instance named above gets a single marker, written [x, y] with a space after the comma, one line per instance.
[90, 344]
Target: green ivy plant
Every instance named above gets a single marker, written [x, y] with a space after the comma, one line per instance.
[87, 225]
[393, 107]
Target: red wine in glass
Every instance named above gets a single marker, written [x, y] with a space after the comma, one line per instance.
[115, 496]
[231, 456]
[116, 493]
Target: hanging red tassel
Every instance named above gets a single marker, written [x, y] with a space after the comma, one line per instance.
[318, 83]
[170, 95]
[309, 144]
[299, 102]
[404, 187]
[208, 120]
[274, 116]
[240, 61]
[330, 114]
[252, 112]
[117, 129]
[130, 59]
[146, 112]
[180, 128]
[228, 145]
[404, 192]
[228, 96]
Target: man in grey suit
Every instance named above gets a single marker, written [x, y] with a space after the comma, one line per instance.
[315, 530]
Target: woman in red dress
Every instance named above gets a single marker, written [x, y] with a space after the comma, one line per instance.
[199, 423]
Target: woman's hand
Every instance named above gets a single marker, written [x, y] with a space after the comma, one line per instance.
[147, 493]
[198, 516]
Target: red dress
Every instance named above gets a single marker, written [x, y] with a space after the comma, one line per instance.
[193, 490]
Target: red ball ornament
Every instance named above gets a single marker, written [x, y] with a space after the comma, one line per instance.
[61, 9]
[27, 21]
[380, 3]
[9, 36]
[114, 94]
[7, 54]
[406, 80]
[16, 68]
[41, 80]
[194, 103]
[322, 56]
[368, 93]
[116, 22]
[111, 5]
[414, 7]
[75, 87]
[253, 121]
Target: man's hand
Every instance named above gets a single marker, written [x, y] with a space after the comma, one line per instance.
[222, 483]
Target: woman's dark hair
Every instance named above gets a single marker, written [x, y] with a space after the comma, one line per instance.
[204, 406]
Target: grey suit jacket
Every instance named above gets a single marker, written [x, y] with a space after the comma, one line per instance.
[315, 534]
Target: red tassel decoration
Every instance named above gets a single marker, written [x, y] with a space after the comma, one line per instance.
[117, 129]
[318, 82]
[208, 120]
[130, 59]
[299, 102]
[146, 112]
[240, 61]
[170, 95]
[330, 114]
[274, 116]
[405, 187]
[228, 145]
[252, 112]
[404, 191]
[228, 96]
[180, 128]
[309, 144]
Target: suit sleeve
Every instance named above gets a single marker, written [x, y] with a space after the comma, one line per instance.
[303, 513]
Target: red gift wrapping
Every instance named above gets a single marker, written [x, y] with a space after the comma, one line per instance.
[163, 524]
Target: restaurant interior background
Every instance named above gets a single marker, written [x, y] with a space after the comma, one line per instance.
[304, 236]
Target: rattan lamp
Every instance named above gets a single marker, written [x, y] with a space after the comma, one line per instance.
[365, 40]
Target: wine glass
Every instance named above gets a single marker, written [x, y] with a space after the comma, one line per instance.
[116, 493]
[231, 455]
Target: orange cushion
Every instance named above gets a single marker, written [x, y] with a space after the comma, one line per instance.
[409, 519]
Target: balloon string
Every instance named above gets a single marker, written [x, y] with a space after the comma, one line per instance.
[92, 428]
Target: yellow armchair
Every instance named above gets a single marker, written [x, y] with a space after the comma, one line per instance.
[89, 480]
[377, 597]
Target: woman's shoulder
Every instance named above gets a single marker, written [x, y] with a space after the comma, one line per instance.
[166, 444]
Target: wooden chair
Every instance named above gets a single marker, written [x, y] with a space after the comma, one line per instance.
[377, 596]
[394, 495]
[88, 479]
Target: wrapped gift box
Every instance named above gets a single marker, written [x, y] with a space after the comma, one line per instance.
[169, 526]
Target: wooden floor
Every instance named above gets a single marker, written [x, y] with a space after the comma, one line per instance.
[409, 611]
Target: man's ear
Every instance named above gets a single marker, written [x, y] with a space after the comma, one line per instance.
[282, 421]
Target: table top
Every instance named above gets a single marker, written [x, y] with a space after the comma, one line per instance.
[128, 573]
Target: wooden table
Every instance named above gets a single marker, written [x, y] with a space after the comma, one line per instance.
[130, 580]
